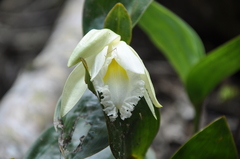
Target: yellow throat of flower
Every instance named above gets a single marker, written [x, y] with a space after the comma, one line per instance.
[116, 78]
[115, 72]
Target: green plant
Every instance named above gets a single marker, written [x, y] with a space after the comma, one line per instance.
[84, 130]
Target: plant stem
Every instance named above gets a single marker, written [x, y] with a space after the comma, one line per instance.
[197, 118]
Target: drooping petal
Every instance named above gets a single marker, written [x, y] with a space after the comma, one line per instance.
[127, 59]
[150, 88]
[148, 83]
[150, 105]
[91, 44]
[73, 90]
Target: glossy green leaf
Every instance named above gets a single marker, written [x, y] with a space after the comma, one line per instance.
[81, 133]
[215, 141]
[120, 22]
[95, 11]
[131, 138]
[219, 64]
[178, 41]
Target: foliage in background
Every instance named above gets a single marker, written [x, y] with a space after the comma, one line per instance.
[176, 39]
[95, 11]
[185, 52]
[215, 141]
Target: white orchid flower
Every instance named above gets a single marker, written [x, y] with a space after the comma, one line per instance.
[117, 73]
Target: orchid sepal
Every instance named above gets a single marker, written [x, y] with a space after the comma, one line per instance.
[74, 88]
[91, 44]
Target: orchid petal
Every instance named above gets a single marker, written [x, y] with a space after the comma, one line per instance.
[148, 83]
[91, 44]
[96, 64]
[150, 105]
[127, 58]
[73, 90]
[150, 88]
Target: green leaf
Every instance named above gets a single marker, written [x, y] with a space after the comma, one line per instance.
[215, 141]
[131, 138]
[178, 41]
[219, 64]
[119, 21]
[95, 11]
[82, 133]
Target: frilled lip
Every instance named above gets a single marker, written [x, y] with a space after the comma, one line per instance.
[93, 48]
[119, 81]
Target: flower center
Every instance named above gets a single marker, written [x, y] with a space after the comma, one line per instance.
[117, 80]
[120, 88]
[114, 72]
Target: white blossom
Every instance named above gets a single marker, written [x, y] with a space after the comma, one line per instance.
[117, 73]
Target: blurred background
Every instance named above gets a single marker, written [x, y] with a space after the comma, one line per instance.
[27, 25]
